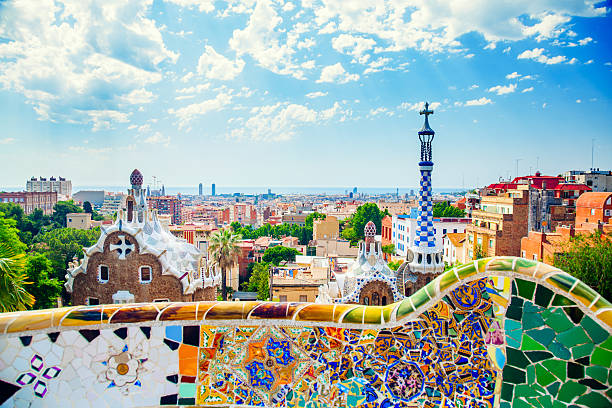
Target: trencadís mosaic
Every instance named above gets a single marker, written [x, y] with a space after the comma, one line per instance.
[499, 332]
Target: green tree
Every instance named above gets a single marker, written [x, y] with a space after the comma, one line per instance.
[224, 251]
[479, 252]
[311, 217]
[13, 280]
[87, 207]
[61, 209]
[365, 213]
[444, 209]
[259, 281]
[395, 265]
[44, 289]
[588, 258]
[278, 254]
[388, 249]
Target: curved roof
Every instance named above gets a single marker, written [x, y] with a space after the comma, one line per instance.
[593, 199]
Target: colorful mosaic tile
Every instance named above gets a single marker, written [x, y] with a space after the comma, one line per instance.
[509, 333]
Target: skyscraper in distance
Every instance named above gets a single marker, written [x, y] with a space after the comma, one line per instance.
[213, 189]
[200, 189]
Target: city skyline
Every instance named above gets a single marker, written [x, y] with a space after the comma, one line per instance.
[301, 94]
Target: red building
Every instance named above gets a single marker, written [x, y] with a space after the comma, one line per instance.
[594, 208]
[30, 201]
[167, 205]
[386, 228]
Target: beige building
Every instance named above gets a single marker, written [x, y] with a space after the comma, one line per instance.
[499, 225]
[337, 247]
[328, 228]
[297, 219]
[397, 208]
[79, 221]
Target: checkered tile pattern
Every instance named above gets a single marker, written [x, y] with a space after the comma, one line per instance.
[425, 229]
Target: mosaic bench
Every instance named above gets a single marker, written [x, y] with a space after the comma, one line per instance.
[498, 332]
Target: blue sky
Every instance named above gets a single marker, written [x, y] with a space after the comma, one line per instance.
[311, 93]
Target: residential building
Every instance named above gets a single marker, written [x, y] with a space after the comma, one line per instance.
[295, 219]
[453, 248]
[386, 230]
[243, 213]
[594, 208]
[334, 247]
[136, 260]
[197, 234]
[95, 197]
[79, 221]
[397, 208]
[404, 229]
[59, 185]
[295, 283]
[497, 228]
[327, 228]
[598, 180]
[112, 204]
[167, 205]
[30, 201]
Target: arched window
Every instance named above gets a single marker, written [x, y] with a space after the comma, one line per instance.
[375, 299]
[146, 274]
[384, 301]
[103, 273]
[366, 300]
[428, 259]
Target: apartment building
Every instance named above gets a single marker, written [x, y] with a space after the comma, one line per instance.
[31, 201]
[59, 185]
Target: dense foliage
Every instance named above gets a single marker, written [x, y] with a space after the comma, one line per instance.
[224, 251]
[303, 234]
[259, 280]
[444, 209]
[589, 258]
[354, 225]
[278, 254]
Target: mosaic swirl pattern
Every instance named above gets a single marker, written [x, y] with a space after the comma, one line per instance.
[498, 332]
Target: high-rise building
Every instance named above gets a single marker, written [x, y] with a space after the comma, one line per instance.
[59, 185]
[200, 189]
[167, 205]
[213, 189]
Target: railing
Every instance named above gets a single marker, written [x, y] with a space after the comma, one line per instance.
[495, 332]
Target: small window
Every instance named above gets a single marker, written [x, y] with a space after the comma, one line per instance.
[303, 298]
[103, 273]
[93, 301]
[161, 300]
[523, 254]
[490, 243]
[282, 298]
[145, 274]
[535, 257]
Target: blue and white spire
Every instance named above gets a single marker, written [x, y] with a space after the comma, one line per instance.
[427, 252]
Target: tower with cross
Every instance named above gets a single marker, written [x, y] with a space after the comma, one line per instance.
[426, 252]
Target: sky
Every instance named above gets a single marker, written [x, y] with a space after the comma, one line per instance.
[302, 93]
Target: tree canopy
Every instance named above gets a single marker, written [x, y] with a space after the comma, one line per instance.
[224, 251]
[589, 258]
[61, 209]
[303, 234]
[259, 281]
[444, 209]
[279, 253]
[355, 224]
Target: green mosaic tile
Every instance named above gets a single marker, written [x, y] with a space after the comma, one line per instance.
[570, 390]
[582, 350]
[507, 391]
[545, 401]
[597, 372]
[536, 356]
[543, 336]
[524, 391]
[530, 344]
[559, 404]
[573, 337]
[518, 403]
[513, 375]
[419, 298]
[601, 357]
[557, 367]
[560, 300]
[525, 288]
[562, 281]
[607, 344]
[593, 399]
[404, 308]
[531, 317]
[543, 376]
[559, 350]
[187, 390]
[511, 325]
[531, 374]
[543, 296]
[558, 321]
[505, 404]
[516, 358]
[575, 370]
[594, 330]
[553, 388]
[574, 313]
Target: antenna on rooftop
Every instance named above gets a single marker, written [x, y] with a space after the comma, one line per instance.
[592, 153]
[517, 162]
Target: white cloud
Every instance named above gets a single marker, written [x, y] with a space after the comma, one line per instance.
[206, 6]
[381, 64]
[513, 75]
[280, 122]
[353, 45]
[589, 62]
[316, 94]
[537, 54]
[7, 140]
[336, 73]
[544, 105]
[417, 106]
[158, 138]
[527, 89]
[490, 46]
[188, 113]
[70, 57]
[469, 56]
[573, 61]
[215, 66]
[585, 41]
[194, 89]
[473, 87]
[578, 100]
[478, 102]
[507, 50]
[503, 89]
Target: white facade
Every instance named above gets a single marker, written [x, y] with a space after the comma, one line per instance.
[452, 255]
[42, 185]
[403, 231]
[112, 204]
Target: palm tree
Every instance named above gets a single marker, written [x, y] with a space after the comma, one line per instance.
[224, 252]
[13, 295]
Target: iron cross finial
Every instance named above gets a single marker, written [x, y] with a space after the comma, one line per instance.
[426, 111]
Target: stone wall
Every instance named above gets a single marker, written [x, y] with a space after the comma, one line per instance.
[498, 332]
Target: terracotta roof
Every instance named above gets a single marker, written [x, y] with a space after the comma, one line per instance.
[592, 199]
[456, 238]
[573, 186]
